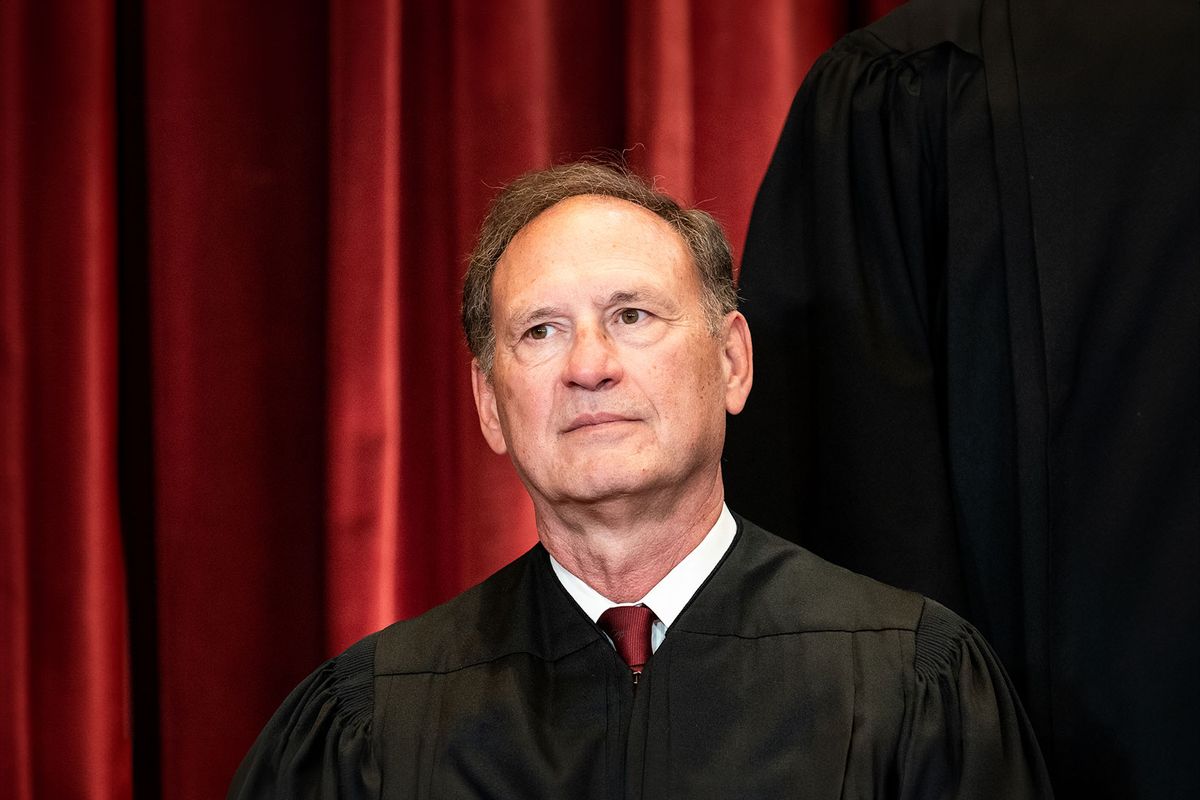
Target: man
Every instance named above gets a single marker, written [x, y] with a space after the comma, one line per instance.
[607, 351]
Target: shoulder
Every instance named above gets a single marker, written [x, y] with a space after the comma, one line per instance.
[964, 724]
[351, 680]
[781, 587]
[942, 639]
[920, 25]
[452, 633]
[795, 589]
[320, 734]
[520, 609]
[323, 731]
[914, 36]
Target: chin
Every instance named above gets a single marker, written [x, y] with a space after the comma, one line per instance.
[596, 493]
[598, 488]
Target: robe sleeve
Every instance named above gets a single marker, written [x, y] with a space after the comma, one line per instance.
[966, 735]
[318, 744]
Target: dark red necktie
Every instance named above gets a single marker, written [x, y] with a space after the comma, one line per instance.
[629, 628]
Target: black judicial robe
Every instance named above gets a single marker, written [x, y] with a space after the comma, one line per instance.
[973, 279]
[785, 676]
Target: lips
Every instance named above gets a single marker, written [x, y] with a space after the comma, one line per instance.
[592, 420]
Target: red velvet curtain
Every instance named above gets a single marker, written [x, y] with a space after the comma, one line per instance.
[236, 428]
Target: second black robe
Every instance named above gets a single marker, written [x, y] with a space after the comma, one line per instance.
[973, 281]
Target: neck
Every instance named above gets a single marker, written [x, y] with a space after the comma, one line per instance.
[622, 547]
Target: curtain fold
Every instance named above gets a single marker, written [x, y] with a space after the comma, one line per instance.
[363, 439]
[237, 164]
[65, 731]
[314, 176]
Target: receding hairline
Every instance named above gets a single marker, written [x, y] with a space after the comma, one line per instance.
[637, 210]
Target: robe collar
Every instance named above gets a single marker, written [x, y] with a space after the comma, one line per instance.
[669, 596]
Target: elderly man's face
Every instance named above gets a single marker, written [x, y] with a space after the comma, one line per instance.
[607, 379]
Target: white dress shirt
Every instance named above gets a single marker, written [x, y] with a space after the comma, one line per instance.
[667, 597]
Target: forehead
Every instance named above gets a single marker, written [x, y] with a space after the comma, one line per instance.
[592, 238]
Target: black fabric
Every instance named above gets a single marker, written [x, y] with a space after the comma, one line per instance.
[973, 281]
[784, 677]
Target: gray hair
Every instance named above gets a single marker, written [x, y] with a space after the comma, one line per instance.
[534, 192]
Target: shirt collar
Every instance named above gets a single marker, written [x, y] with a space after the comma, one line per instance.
[667, 597]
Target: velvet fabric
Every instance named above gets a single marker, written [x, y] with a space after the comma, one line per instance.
[236, 431]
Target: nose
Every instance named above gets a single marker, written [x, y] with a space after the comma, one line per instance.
[592, 362]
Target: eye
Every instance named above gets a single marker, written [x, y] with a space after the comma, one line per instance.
[631, 316]
[538, 332]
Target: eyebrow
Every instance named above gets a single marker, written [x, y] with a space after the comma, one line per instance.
[624, 298]
[638, 297]
[529, 318]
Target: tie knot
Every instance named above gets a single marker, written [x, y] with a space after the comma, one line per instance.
[629, 629]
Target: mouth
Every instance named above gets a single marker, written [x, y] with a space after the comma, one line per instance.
[594, 420]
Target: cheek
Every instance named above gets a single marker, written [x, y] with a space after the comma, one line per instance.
[525, 411]
[706, 395]
[699, 368]
[685, 385]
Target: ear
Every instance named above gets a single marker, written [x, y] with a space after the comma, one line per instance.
[738, 362]
[485, 405]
